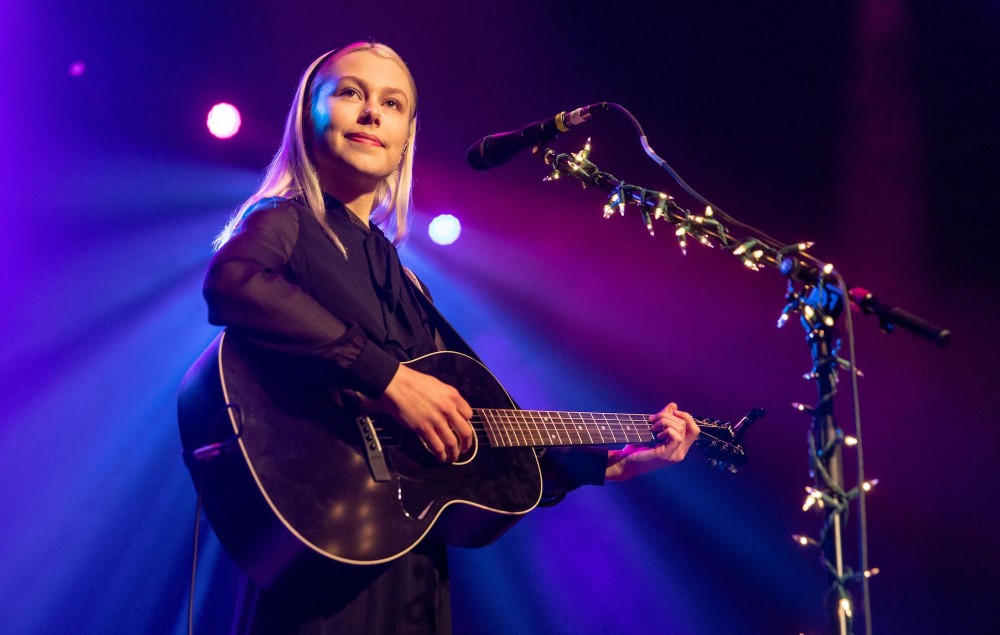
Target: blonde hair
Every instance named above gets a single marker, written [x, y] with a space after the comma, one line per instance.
[292, 174]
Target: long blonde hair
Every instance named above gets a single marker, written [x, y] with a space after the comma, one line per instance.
[292, 174]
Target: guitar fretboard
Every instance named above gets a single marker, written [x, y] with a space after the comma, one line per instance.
[519, 428]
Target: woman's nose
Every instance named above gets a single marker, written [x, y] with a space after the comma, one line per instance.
[371, 114]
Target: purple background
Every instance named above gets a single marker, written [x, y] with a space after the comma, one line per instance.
[869, 127]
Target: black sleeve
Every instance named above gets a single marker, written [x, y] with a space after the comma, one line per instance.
[565, 469]
[247, 288]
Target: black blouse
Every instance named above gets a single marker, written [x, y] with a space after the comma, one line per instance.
[282, 283]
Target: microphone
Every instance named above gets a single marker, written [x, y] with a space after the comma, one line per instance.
[496, 149]
[891, 316]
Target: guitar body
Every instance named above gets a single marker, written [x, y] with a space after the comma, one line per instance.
[295, 493]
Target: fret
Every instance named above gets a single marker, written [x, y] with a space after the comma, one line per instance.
[503, 417]
[554, 438]
[568, 426]
[598, 432]
[615, 428]
[624, 428]
[540, 417]
[522, 426]
[487, 416]
[506, 427]
[607, 432]
[574, 421]
[590, 434]
[580, 429]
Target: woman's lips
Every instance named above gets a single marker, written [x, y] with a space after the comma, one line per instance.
[360, 137]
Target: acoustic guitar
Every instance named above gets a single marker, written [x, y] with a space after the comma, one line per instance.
[296, 478]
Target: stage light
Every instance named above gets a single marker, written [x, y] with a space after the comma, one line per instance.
[845, 606]
[868, 485]
[223, 120]
[76, 68]
[445, 229]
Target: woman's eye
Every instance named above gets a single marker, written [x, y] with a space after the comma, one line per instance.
[393, 103]
[349, 92]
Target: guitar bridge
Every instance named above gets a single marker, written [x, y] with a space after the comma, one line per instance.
[373, 449]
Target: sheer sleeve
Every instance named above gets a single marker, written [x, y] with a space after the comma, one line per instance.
[565, 469]
[248, 288]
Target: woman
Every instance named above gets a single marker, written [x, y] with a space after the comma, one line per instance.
[307, 268]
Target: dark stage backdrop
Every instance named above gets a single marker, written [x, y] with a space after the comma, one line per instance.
[869, 127]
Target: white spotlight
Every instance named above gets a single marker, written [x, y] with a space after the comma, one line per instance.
[445, 229]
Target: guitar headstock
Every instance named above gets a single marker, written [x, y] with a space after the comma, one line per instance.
[721, 442]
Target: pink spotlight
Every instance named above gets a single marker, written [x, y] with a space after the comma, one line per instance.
[76, 68]
[223, 120]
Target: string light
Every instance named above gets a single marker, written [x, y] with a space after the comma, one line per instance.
[746, 246]
[584, 154]
[845, 606]
[661, 207]
[615, 200]
[609, 207]
[647, 220]
[754, 254]
[815, 498]
[795, 248]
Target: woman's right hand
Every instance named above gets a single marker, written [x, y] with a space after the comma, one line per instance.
[432, 409]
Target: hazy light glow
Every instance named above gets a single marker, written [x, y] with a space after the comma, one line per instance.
[76, 68]
[223, 120]
[445, 229]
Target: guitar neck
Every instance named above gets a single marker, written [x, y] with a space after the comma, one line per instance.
[522, 428]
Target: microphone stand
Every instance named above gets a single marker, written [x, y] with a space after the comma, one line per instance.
[816, 292]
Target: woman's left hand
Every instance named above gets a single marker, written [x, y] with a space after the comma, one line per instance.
[674, 427]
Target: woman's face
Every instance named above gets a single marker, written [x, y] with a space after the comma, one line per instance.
[361, 119]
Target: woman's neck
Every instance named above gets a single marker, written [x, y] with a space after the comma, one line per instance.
[355, 197]
[360, 206]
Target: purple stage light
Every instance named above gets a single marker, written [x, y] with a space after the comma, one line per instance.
[444, 229]
[76, 68]
[223, 120]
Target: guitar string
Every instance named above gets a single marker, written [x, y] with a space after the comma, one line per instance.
[613, 429]
[386, 437]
